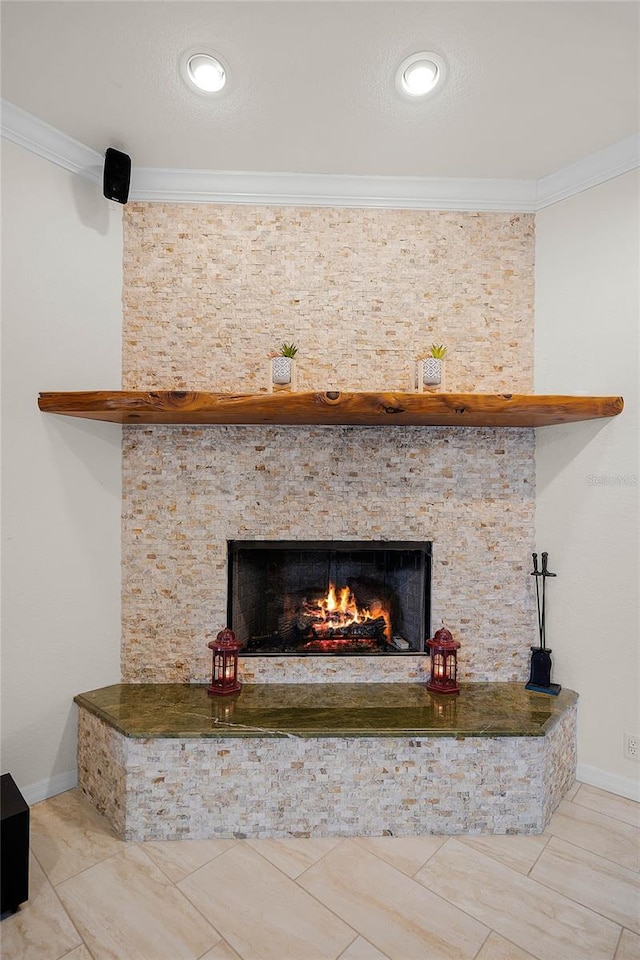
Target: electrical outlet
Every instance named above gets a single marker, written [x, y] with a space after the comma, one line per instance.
[631, 746]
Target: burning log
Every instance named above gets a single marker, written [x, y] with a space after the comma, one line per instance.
[354, 612]
[329, 628]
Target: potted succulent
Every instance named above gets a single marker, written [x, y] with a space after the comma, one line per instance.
[432, 373]
[282, 364]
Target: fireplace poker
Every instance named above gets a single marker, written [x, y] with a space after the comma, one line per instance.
[536, 573]
[544, 573]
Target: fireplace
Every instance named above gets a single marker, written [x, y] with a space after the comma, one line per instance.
[323, 598]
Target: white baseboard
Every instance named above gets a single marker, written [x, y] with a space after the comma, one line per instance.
[622, 786]
[43, 789]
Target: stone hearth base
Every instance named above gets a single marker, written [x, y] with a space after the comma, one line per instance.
[237, 780]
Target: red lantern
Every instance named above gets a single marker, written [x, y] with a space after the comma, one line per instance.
[444, 663]
[224, 677]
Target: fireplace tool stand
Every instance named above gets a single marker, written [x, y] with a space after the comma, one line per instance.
[540, 677]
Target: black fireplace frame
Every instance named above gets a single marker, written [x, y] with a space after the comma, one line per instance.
[337, 546]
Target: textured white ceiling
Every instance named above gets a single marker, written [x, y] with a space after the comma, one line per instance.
[532, 86]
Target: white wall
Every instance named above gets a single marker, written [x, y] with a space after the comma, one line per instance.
[587, 323]
[61, 490]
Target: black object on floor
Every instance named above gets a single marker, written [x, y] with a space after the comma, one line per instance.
[14, 850]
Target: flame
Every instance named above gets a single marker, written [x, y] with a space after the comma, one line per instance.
[346, 606]
[339, 611]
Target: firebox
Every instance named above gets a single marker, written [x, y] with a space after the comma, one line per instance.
[329, 597]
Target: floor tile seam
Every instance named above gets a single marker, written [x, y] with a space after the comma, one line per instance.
[160, 868]
[424, 886]
[311, 865]
[593, 852]
[246, 841]
[451, 903]
[57, 896]
[359, 847]
[223, 940]
[84, 869]
[444, 839]
[348, 947]
[291, 880]
[609, 816]
[37, 859]
[577, 784]
[379, 856]
[83, 944]
[517, 874]
[596, 813]
[615, 952]
[187, 898]
[528, 949]
[546, 844]
[218, 942]
[320, 902]
[329, 910]
[140, 843]
[608, 793]
[129, 845]
[482, 945]
[462, 837]
[481, 853]
[457, 907]
[579, 903]
[65, 911]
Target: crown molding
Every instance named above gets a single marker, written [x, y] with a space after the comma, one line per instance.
[156, 184]
[45, 141]
[597, 168]
[330, 190]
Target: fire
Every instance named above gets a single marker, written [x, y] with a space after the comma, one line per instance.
[338, 611]
[346, 606]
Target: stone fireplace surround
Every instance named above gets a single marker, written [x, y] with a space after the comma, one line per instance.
[189, 490]
[208, 292]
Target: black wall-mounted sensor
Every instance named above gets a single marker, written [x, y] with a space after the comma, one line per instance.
[117, 175]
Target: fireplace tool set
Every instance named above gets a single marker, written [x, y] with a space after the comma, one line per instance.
[540, 678]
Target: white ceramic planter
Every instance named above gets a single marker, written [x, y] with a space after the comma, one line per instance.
[431, 372]
[281, 368]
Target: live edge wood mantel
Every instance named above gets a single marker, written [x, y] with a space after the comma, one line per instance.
[330, 408]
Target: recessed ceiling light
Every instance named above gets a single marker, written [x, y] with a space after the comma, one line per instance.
[205, 72]
[420, 74]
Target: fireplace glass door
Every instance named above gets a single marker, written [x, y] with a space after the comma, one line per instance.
[329, 597]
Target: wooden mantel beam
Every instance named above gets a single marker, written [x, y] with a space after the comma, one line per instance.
[330, 408]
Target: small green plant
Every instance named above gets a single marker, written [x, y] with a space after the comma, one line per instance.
[438, 351]
[288, 350]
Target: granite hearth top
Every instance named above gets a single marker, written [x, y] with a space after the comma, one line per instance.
[147, 710]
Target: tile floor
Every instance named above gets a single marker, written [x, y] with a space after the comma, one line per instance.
[571, 894]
